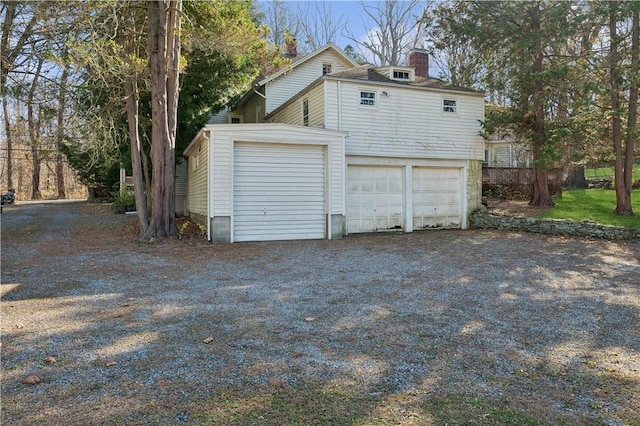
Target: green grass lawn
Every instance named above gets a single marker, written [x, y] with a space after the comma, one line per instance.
[596, 205]
[607, 172]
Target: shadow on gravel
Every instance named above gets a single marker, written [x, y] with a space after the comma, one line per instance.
[444, 327]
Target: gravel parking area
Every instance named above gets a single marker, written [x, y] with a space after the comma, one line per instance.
[440, 327]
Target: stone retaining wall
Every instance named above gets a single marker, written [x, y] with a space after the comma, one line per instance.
[484, 220]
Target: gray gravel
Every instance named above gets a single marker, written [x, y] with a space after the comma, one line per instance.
[484, 313]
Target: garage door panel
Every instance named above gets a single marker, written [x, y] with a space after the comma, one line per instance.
[279, 192]
[436, 198]
[374, 199]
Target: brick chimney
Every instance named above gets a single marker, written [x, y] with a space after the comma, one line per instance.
[419, 59]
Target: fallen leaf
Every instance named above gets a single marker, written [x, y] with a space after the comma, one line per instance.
[309, 319]
[31, 380]
[110, 363]
[49, 360]
[208, 340]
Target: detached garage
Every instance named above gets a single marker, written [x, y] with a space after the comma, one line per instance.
[262, 182]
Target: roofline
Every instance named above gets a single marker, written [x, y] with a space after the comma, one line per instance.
[201, 135]
[305, 59]
[406, 86]
[295, 97]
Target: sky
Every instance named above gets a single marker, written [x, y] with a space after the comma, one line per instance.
[358, 23]
[350, 9]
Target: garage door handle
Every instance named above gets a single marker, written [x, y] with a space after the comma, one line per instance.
[265, 211]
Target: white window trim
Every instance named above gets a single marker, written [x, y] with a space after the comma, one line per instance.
[375, 98]
[330, 65]
[457, 106]
[410, 74]
[196, 160]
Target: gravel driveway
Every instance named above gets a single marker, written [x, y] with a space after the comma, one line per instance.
[440, 327]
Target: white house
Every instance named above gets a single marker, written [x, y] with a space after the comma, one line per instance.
[326, 148]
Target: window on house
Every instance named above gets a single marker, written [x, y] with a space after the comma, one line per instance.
[449, 105]
[401, 75]
[195, 160]
[368, 98]
[305, 112]
[485, 162]
[236, 119]
[326, 69]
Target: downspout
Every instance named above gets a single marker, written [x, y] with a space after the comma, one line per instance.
[339, 105]
[207, 135]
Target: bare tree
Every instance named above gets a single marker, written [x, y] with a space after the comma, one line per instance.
[395, 27]
[13, 31]
[280, 20]
[317, 27]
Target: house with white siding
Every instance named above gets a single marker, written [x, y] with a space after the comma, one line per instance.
[326, 148]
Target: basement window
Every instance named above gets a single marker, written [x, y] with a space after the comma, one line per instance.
[368, 98]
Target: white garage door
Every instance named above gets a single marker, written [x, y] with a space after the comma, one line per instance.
[278, 192]
[374, 199]
[436, 198]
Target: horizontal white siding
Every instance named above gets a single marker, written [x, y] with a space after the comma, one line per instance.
[405, 122]
[292, 112]
[181, 188]
[288, 85]
[221, 117]
[197, 179]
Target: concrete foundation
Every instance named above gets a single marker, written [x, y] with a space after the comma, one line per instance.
[221, 229]
[337, 226]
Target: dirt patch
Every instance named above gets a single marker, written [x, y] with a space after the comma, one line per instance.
[439, 327]
[515, 208]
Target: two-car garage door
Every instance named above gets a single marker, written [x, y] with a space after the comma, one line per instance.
[377, 199]
[278, 192]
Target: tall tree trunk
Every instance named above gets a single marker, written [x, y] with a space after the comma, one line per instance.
[632, 117]
[540, 194]
[131, 94]
[5, 65]
[60, 134]
[7, 130]
[623, 193]
[34, 135]
[8, 55]
[164, 50]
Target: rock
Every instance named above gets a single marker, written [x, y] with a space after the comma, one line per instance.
[49, 360]
[110, 363]
[208, 340]
[31, 380]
